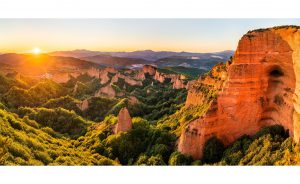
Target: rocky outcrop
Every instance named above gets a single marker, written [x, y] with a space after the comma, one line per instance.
[140, 75]
[93, 72]
[133, 100]
[108, 91]
[62, 77]
[135, 78]
[110, 70]
[83, 105]
[124, 121]
[75, 89]
[159, 77]
[178, 83]
[133, 82]
[262, 89]
[162, 77]
[127, 79]
[200, 90]
[103, 76]
[149, 69]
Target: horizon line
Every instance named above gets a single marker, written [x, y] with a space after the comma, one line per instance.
[150, 50]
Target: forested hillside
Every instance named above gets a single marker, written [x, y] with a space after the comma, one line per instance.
[44, 123]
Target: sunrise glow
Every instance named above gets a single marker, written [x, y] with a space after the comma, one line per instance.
[193, 35]
[36, 50]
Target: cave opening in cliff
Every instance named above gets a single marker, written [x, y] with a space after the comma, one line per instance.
[276, 72]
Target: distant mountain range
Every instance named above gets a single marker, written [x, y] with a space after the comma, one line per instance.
[160, 58]
[148, 55]
[79, 60]
[118, 62]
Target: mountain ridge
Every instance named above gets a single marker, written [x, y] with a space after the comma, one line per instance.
[140, 54]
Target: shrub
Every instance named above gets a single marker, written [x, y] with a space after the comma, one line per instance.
[49, 131]
[65, 102]
[213, 150]
[59, 119]
[43, 157]
[152, 160]
[2, 106]
[272, 130]
[156, 160]
[178, 158]
[161, 149]
[142, 160]
[19, 150]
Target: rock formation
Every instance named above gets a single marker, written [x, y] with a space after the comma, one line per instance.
[134, 78]
[83, 105]
[108, 91]
[140, 75]
[159, 77]
[199, 90]
[129, 80]
[93, 72]
[262, 89]
[151, 70]
[133, 100]
[103, 76]
[110, 70]
[124, 121]
[61, 77]
[178, 84]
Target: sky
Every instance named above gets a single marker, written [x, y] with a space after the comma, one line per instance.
[190, 35]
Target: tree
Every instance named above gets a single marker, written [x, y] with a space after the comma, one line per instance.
[213, 150]
[178, 158]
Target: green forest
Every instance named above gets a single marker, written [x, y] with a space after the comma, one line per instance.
[41, 124]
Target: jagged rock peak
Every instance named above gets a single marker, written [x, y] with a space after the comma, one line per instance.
[124, 121]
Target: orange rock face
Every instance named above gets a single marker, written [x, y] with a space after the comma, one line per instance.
[261, 89]
[124, 121]
[213, 81]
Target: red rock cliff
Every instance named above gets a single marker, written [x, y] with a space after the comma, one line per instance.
[262, 89]
[212, 81]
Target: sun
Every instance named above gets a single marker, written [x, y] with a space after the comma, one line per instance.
[36, 50]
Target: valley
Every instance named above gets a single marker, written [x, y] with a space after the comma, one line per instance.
[149, 107]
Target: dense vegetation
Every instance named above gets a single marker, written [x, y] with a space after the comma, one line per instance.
[59, 119]
[270, 146]
[157, 100]
[34, 96]
[189, 72]
[26, 142]
[41, 123]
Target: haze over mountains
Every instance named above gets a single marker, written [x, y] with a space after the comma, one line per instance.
[60, 64]
[136, 59]
[144, 54]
